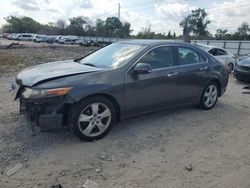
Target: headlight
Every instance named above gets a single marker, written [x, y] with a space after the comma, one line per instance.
[40, 93]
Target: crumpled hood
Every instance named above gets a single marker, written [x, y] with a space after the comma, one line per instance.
[47, 71]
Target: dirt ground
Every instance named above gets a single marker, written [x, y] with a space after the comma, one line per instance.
[147, 151]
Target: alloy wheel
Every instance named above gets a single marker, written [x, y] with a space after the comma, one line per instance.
[210, 96]
[94, 119]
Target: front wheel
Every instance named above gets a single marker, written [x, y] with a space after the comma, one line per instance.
[93, 118]
[209, 96]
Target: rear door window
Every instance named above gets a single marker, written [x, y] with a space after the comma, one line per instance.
[188, 56]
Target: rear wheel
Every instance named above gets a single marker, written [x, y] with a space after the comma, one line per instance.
[230, 67]
[93, 118]
[209, 96]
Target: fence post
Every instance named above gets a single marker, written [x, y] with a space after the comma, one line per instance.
[224, 46]
[239, 48]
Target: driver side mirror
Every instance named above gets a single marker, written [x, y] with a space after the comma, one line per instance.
[142, 68]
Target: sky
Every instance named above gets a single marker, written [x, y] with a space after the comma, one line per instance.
[160, 15]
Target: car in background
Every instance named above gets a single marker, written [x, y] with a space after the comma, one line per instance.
[243, 57]
[224, 56]
[25, 37]
[242, 69]
[5, 35]
[124, 79]
[89, 43]
[57, 38]
[13, 36]
[39, 38]
[70, 39]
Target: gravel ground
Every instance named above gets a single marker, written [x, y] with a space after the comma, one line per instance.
[184, 147]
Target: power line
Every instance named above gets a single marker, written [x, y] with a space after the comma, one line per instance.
[119, 11]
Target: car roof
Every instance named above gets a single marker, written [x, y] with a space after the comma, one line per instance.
[149, 42]
[208, 47]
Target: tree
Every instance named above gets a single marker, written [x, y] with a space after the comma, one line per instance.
[242, 31]
[125, 30]
[100, 28]
[220, 34]
[76, 26]
[148, 34]
[21, 25]
[169, 36]
[196, 22]
[113, 26]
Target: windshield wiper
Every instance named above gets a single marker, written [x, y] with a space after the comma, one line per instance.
[89, 64]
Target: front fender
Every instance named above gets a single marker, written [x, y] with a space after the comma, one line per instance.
[84, 91]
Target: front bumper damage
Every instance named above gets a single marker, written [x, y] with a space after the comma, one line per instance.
[48, 114]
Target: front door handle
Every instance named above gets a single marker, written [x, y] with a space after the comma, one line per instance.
[172, 74]
[203, 68]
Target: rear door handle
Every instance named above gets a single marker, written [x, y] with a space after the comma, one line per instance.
[203, 68]
[172, 74]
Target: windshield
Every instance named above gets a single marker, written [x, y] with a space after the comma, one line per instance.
[113, 56]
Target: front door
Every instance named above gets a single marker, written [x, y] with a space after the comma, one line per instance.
[156, 89]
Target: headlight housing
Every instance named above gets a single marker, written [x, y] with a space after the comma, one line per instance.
[29, 93]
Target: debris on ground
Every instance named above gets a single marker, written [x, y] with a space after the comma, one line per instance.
[90, 184]
[13, 44]
[98, 170]
[57, 186]
[102, 157]
[13, 170]
[189, 167]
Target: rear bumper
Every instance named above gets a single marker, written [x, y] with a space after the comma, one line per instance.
[47, 114]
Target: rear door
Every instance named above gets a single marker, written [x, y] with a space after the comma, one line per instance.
[193, 74]
[154, 90]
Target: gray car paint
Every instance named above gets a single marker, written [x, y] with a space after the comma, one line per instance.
[34, 75]
[140, 93]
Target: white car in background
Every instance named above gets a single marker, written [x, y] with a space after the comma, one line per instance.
[70, 39]
[224, 56]
[39, 38]
[25, 36]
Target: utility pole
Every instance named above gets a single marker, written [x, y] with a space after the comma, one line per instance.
[119, 8]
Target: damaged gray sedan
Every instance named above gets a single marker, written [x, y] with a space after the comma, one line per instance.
[124, 79]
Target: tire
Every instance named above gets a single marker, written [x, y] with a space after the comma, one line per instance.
[210, 93]
[93, 118]
[230, 67]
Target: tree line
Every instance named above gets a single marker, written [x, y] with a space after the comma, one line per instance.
[195, 26]
[80, 26]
